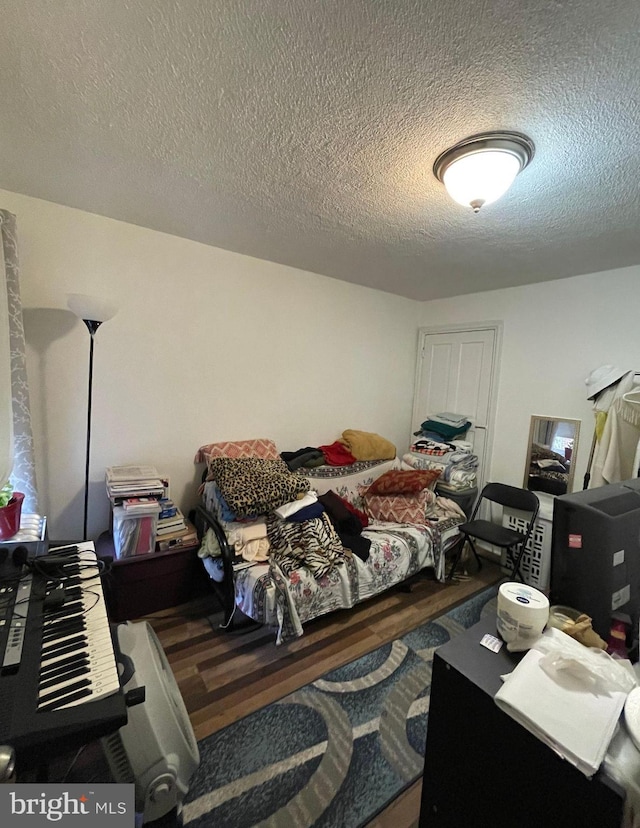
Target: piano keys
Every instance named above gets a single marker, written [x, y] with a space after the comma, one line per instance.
[77, 661]
[64, 689]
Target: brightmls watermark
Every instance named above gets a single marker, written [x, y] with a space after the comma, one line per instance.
[102, 805]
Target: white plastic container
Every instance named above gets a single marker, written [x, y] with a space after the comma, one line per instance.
[522, 614]
[133, 534]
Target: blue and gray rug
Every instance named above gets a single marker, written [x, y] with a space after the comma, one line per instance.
[334, 753]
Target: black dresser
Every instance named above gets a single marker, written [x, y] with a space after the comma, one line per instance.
[482, 768]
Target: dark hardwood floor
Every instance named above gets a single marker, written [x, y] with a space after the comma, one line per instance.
[224, 676]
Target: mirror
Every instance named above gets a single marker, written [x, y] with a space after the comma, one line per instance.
[553, 443]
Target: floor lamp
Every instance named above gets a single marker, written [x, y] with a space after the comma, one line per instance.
[93, 311]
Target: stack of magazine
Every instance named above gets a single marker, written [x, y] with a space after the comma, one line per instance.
[125, 482]
[145, 519]
[134, 492]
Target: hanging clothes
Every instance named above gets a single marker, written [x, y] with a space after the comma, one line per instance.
[617, 454]
[632, 398]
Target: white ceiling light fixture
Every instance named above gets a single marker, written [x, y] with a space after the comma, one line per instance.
[481, 168]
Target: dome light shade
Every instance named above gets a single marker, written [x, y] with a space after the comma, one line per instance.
[481, 176]
[480, 169]
[90, 307]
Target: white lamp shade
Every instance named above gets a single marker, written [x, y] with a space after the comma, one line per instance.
[481, 177]
[90, 307]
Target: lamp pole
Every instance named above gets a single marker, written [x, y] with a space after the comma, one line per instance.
[93, 312]
[92, 327]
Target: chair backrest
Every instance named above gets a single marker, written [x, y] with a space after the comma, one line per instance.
[510, 496]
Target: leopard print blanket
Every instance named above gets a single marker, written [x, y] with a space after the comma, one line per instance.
[252, 486]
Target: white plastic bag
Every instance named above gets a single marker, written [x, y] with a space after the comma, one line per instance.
[564, 658]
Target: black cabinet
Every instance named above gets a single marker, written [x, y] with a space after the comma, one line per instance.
[144, 584]
[484, 769]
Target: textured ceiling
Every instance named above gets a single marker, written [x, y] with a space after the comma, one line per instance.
[304, 132]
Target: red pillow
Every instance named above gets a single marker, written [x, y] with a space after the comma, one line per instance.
[261, 447]
[401, 481]
[399, 508]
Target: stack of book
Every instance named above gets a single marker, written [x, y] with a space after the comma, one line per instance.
[144, 518]
[170, 537]
[168, 508]
[124, 482]
[173, 528]
[170, 523]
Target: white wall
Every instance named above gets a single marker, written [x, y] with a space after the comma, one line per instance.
[207, 345]
[211, 345]
[555, 334]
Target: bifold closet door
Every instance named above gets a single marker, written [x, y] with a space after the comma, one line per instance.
[457, 372]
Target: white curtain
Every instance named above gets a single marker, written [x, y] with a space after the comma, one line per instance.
[6, 405]
[546, 431]
[15, 414]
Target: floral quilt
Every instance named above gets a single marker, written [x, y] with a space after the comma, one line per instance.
[286, 593]
[266, 594]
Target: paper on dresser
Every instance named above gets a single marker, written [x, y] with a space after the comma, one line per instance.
[555, 708]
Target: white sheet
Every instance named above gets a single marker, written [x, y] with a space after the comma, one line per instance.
[557, 710]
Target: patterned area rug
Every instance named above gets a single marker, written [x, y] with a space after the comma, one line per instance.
[336, 752]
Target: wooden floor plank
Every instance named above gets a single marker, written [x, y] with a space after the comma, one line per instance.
[225, 676]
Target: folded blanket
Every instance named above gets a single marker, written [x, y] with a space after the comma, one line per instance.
[253, 487]
[455, 468]
[210, 547]
[404, 481]
[313, 544]
[430, 435]
[347, 524]
[432, 447]
[445, 508]
[449, 418]
[313, 510]
[239, 534]
[256, 550]
[303, 457]
[218, 504]
[463, 445]
[365, 445]
[463, 460]
[337, 454]
[288, 509]
[446, 431]
[469, 482]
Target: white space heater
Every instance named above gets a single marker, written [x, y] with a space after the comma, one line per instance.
[157, 748]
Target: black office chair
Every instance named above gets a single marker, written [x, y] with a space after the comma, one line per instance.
[496, 534]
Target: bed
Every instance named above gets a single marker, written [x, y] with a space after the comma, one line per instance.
[290, 585]
[548, 471]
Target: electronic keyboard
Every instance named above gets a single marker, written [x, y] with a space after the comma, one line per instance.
[59, 682]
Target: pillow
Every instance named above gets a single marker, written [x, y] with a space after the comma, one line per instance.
[262, 448]
[400, 481]
[366, 445]
[399, 508]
